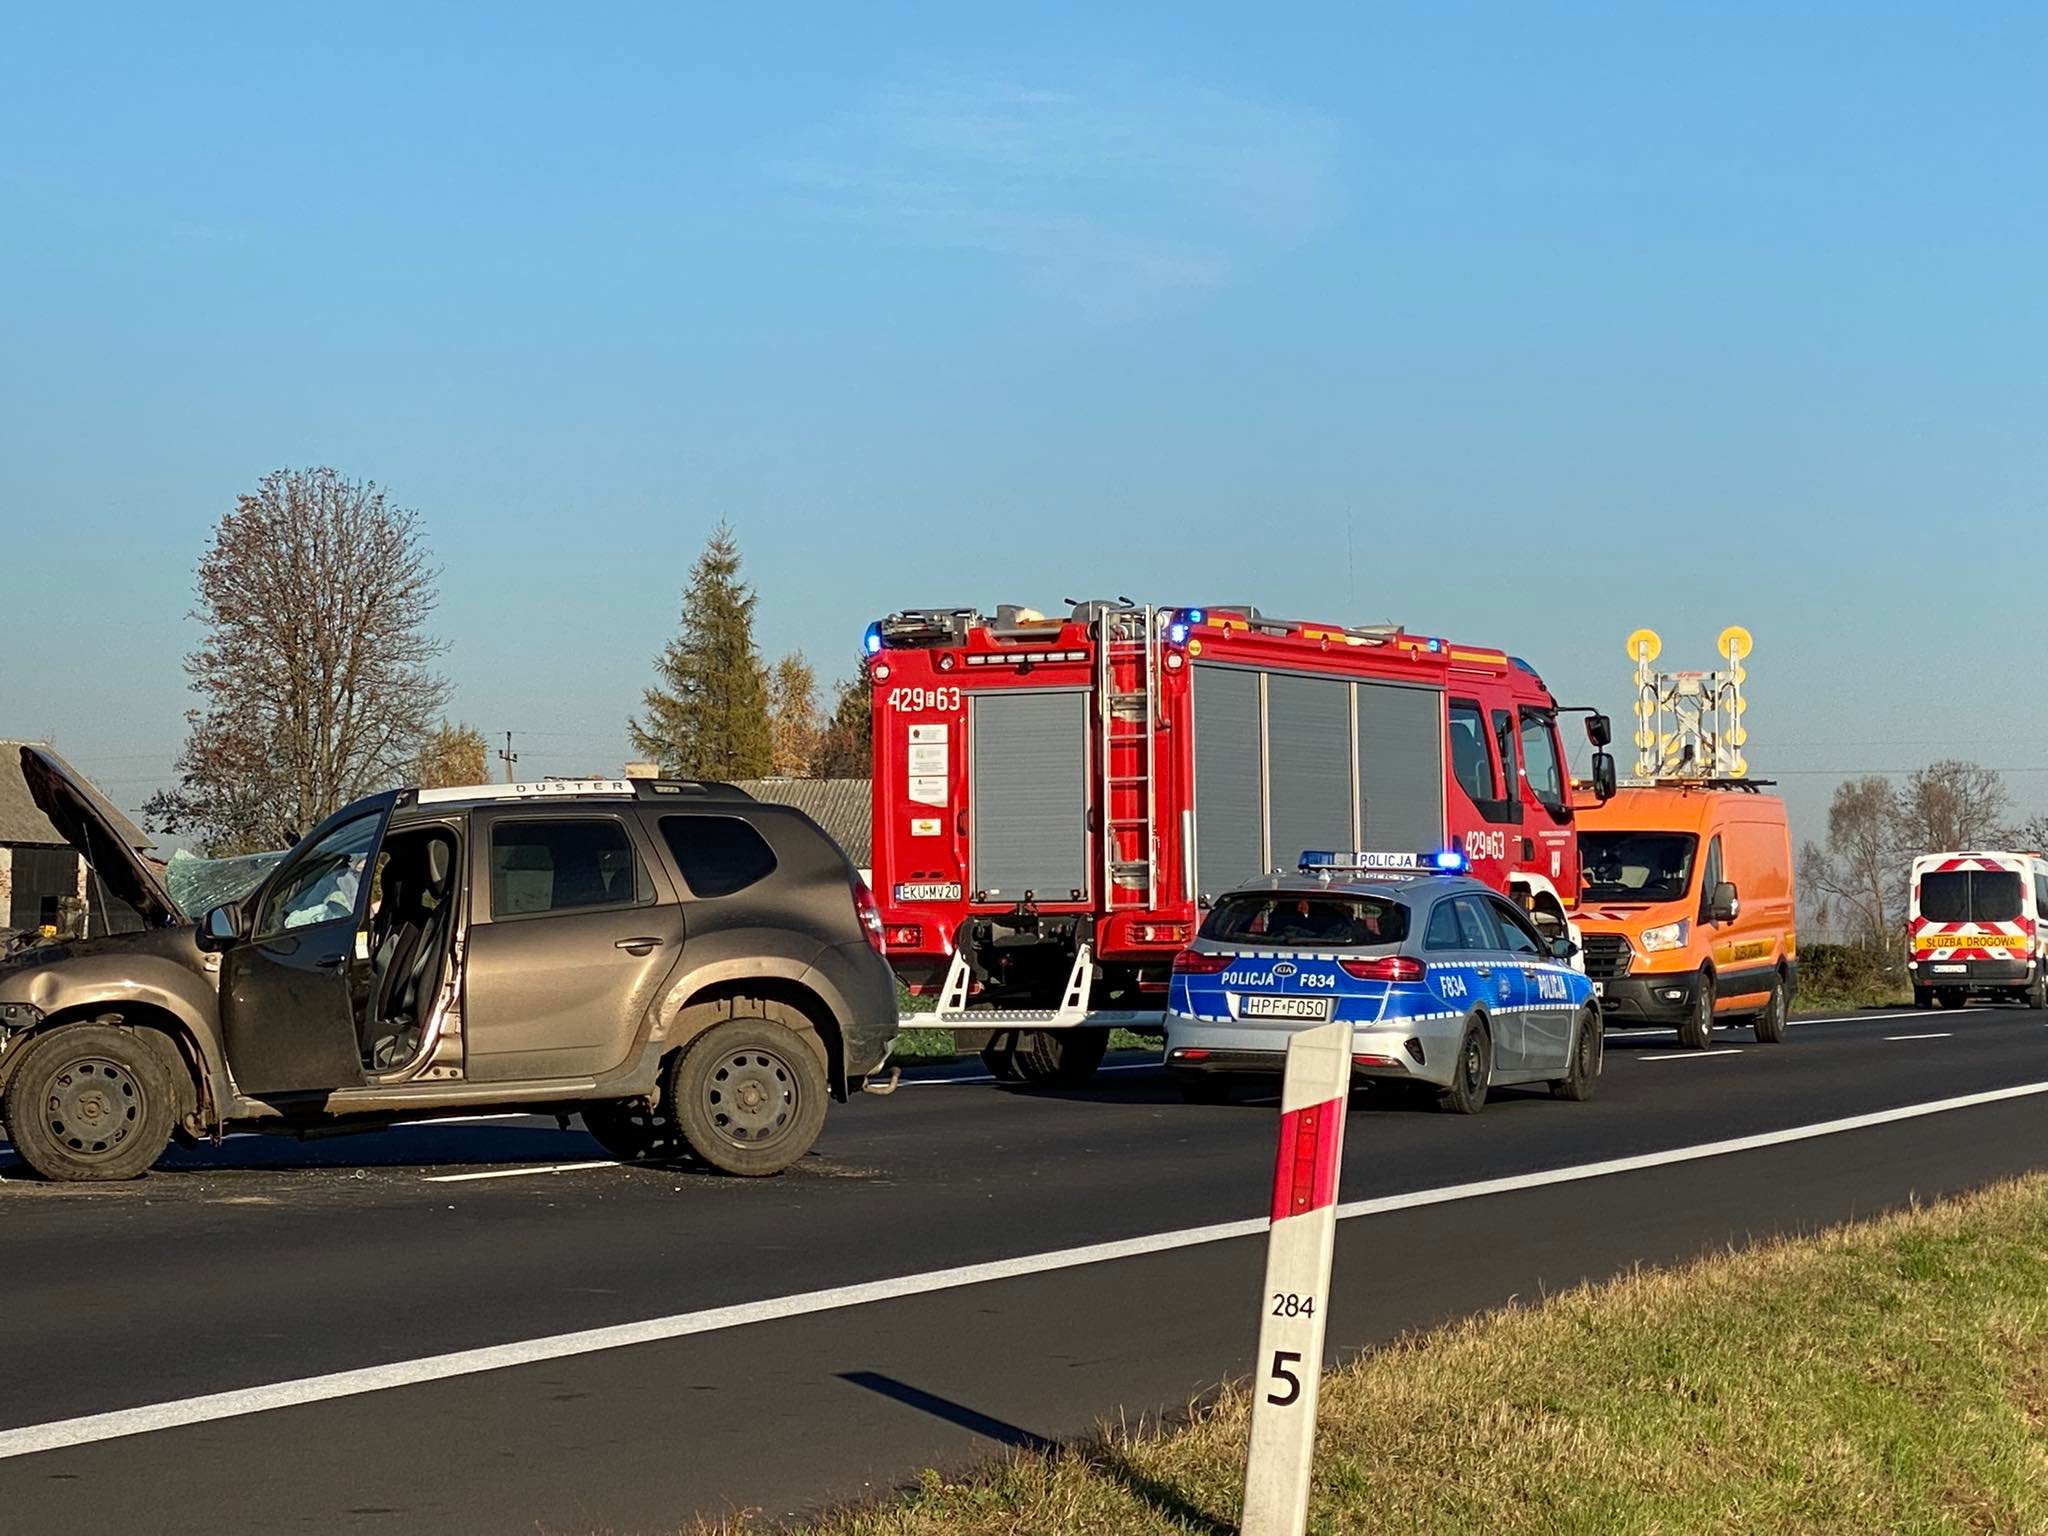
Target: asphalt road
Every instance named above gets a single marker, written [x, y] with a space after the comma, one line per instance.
[266, 1263]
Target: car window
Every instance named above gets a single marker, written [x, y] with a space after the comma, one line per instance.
[1516, 936]
[1539, 758]
[325, 884]
[1636, 866]
[1710, 876]
[562, 866]
[1333, 921]
[1475, 927]
[1443, 931]
[1504, 742]
[717, 854]
[1471, 758]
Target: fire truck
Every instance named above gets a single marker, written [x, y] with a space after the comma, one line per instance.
[1056, 800]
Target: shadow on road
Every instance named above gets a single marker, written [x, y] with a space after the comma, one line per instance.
[1162, 1497]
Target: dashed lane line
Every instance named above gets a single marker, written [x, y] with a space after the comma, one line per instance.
[88, 1429]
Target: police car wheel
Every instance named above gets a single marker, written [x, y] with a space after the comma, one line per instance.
[1770, 1019]
[1472, 1072]
[1580, 1083]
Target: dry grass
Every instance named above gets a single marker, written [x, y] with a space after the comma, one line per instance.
[1885, 1377]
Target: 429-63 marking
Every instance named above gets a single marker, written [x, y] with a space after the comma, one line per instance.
[911, 701]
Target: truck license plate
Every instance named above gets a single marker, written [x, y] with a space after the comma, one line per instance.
[1317, 1008]
[1949, 970]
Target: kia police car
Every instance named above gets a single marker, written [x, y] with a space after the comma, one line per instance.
[1445, 982]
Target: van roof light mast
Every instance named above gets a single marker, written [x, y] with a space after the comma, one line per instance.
[1689, 724]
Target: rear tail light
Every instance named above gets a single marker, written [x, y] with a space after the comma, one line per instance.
[870, 917]
[1159, 933]
[1191, 962]
[1386, 968]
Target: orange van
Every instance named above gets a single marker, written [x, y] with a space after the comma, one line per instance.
[1686, 907]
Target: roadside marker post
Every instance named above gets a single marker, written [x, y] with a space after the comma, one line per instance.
[1294, 1303]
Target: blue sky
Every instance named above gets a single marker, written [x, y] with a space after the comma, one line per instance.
[1526, 324]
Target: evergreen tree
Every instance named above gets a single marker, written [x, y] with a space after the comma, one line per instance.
[847, 749]
[707, 716]
[793, 716]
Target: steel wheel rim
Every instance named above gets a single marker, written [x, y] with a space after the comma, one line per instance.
[93, 1106]
[751, 1096]
[1475, 1063]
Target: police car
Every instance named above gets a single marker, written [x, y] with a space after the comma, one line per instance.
[1444, 981]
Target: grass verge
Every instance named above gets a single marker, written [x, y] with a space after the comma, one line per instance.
[1885, 1377]
[935, 1047]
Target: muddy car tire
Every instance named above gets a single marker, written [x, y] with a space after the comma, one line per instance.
[749, 1096]
[1472, 1075]
[1696, 1033]
[90, 1102]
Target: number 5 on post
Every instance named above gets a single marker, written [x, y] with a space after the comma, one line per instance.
[1295, 1299]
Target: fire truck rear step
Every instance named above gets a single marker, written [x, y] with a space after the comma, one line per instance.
[1073, 1012]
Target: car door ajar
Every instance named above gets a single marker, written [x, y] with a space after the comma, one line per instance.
[287, 1007]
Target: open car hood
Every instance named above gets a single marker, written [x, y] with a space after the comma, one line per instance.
[80, 817]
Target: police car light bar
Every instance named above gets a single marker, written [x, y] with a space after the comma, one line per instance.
[1443, 860]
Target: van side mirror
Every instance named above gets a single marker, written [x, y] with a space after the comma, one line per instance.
[1599, 729]
[1723, 906]
[1562, 948]
[1604, 782]
[221, 927]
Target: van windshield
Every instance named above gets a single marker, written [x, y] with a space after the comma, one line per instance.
[1308, 918]
[1970, 895]
[1636, 866]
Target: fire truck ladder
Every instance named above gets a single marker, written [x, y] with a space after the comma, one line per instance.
[1126, 696]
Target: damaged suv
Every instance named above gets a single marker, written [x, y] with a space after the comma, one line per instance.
[690, 970]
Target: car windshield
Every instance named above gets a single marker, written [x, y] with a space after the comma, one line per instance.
[1970, 895]
[1636, 866]
[1324, 920]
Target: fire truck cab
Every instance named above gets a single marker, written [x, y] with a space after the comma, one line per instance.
[1057, 799]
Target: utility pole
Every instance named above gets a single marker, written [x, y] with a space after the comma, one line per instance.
[509, 758]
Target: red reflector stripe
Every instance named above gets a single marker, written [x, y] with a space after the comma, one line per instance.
[1305, 1178]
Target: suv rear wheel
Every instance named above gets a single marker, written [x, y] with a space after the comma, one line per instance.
[90, 1102]
[749, 1095]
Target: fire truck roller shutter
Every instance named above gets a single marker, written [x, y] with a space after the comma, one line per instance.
[1401, 765]
[1308, 765]
[1229, 797]
[1028, 795]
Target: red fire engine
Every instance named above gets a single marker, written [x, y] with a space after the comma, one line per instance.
[1056, 800]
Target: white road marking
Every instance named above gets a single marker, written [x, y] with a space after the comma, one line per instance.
[1884, 1017]
[30, 1439]
[1944, 1035]
[1731, 1050]
[519, 1173]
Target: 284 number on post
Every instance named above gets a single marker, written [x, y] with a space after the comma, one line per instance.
[1287, 1304]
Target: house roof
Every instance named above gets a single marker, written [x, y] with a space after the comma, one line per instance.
[843, 807]
[21, 822]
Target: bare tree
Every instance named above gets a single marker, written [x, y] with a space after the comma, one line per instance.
[793, 722]
[1857, 878]
[315, 671]
[452, 754]
[1952, 805]
[2029, 836]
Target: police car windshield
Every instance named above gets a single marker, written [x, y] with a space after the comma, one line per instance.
[1310, 918]
[1636, 866]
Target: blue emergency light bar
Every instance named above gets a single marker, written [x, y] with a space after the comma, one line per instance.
[1445, 861]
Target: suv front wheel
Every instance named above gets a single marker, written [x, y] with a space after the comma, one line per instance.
[749, 1096]
[90, 1102]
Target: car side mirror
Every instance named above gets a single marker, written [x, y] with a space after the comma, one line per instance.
[221, 927]
[1599, 729]
[1724, 905]
[1562, 948]
[1604, 783]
